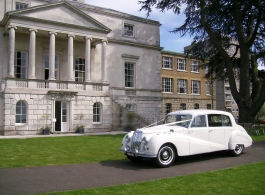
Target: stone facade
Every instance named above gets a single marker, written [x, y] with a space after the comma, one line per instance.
[184, 79]
[64, 59]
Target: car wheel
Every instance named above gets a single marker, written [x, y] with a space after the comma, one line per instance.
[135, 159]
[165, 156]
[238, 150]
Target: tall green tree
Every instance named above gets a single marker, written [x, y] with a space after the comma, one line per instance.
[229, 34]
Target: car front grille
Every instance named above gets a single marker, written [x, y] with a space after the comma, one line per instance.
[136, 140]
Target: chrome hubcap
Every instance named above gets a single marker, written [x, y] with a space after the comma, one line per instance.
[238, 149]
[166, 155]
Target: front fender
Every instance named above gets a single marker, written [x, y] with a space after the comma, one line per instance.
[181, 143]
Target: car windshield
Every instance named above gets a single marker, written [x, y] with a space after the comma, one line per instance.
[186, 118]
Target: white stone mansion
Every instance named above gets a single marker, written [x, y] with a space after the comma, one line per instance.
[66, 63]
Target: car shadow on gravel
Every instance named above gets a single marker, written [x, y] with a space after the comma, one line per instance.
[149, 163]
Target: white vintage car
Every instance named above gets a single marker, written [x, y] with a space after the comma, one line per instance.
[186, 132]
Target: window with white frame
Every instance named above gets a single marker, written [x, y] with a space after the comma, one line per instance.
[167, 62]
[207, 69]
[47, 70]
[167, 85]
[182, 64]
[20, 5]
[97, 112]
[208, 88]
[129, 74]
[168, 108]
[21, 112]
[20, 64]
[182, 86]
[195, 66]
[195, 87]
[182, 106]
[79, 69]
[128, 30]
[196, 106]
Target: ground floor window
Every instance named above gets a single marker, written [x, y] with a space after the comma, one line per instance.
[196, 106]
[97, 112]
[21, 112]
[209, 106]
[182, 106]
[168, 108]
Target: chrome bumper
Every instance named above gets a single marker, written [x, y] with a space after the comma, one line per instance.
[138, 154]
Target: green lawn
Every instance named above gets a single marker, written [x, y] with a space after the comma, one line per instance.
[59, 150]
[244, 180]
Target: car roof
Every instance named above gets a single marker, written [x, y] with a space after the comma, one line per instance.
[199, 111]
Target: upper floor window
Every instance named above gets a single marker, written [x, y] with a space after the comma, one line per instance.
[97, 112]
[208, 88]
[20, 64]
[182, 106]
[21, 112]
[168, 108]
[129, 74]
[47, 70]
[182, 86]
[195, 87]
[167, 62]
[182, 64]
[167, 85]
[79, 69]
[20, 5]
[194, 66]
[129, 30]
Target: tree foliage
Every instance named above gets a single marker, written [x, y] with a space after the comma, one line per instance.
[230, 35]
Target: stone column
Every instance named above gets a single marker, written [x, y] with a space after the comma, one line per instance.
[52, 56]
[103, 61]
[87, 60]
[11, 51]
[32, 48]
[70, 57]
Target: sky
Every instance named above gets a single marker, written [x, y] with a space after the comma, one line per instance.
[168, 20]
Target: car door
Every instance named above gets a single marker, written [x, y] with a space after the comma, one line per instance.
[199, 135]
[216, 132]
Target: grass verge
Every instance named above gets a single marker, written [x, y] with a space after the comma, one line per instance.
[244, 180]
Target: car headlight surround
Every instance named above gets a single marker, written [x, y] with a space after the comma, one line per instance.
[144, 141]
[127, 139]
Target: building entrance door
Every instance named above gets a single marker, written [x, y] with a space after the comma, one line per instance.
[62, 116]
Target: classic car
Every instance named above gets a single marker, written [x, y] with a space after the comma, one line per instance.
[186, 132]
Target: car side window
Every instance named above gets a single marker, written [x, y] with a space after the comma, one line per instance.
[218, 120]
[226, 121]
[215, 120]
[199, 121]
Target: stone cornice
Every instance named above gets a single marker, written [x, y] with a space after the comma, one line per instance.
[121, 42]
[107, 11]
